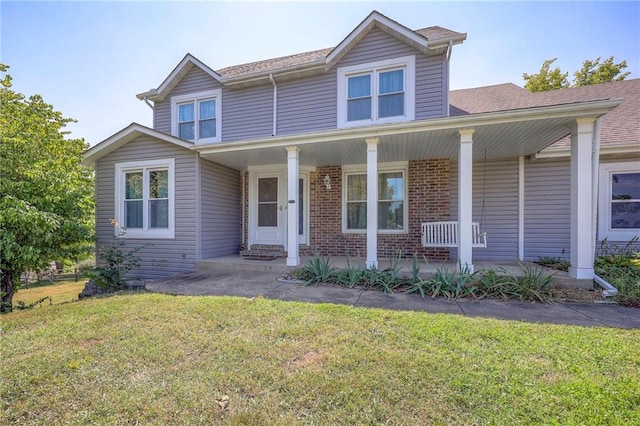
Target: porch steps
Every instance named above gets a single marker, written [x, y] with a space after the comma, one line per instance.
[264, 252]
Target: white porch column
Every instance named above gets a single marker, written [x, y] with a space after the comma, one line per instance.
[293, 259]
[582, 199]
[465, 200]
[372, 203]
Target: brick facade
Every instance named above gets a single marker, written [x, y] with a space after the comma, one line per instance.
[428, 192]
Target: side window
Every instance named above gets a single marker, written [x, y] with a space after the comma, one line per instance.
[144, 197]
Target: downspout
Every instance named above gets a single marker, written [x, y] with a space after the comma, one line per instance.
[609, 290]
[275, 105]
[446, 91]
[146, 101]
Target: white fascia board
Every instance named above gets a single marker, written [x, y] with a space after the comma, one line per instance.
[175, 76]
[125, 136]
[604, 150]
[590, 108]
[149, 94]
[375, 18]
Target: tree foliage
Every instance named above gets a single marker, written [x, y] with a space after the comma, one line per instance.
[46, 195]
[592, 72]
[546, 79]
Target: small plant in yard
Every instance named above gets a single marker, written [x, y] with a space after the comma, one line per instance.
[352, 276]
[317, 270]
[534, 284]
[554, 263]
[117, 262]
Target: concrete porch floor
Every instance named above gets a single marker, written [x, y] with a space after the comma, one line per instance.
[427, 269]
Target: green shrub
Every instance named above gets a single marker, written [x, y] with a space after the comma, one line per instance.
[117, 263]
[623, 272]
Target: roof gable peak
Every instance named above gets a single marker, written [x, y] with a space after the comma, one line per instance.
[178, 73]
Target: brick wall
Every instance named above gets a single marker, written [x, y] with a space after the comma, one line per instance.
[428, 193]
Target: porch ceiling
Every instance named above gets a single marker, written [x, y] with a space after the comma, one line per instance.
[439, 138]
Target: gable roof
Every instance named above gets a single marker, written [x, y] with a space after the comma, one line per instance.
[427, 40]
[420, 41]
[180, 70]
[619, 127]
[126, 135]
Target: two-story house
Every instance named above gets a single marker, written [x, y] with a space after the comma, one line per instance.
[359, 149]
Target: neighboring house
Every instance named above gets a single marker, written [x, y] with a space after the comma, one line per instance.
[350, 150]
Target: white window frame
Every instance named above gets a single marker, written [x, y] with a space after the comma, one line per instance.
[395, 167]
[195, 98]
[145, 167]
[604, 209]
[407, 63]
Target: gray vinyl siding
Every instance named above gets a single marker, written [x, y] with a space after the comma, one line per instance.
[547, 209]
[194, 81]
[247, 113]
[308, 105]
[163, 257]
[500, 196]
[220, 210]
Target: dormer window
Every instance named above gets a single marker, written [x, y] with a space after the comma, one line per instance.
[380, 92]
[196, 117]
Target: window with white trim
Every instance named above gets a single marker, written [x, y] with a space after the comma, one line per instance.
[392, 200]
[379, 92]
[197, 117]
[619, 212]
[144, 198]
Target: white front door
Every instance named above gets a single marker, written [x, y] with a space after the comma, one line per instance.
[268, 208]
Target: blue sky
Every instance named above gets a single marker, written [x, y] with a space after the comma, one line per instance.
[89, 59]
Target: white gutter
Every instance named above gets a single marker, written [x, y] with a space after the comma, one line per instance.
[444, 123]
[275, 105]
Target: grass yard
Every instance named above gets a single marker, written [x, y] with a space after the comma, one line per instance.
[157, 359]
[60, 292]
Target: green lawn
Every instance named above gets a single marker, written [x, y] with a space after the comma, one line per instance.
[157, 359]
[60, 292]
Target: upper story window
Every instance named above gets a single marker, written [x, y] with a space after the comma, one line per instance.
[144, 198]
[380, 92]
[197, 117]
[619, 210]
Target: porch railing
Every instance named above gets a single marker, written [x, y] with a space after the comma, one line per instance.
[445, 234]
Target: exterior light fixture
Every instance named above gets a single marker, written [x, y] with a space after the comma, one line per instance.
[327, 181]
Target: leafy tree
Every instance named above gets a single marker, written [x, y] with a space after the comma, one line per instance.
[594, 72]
[46, 195]
[546, 79]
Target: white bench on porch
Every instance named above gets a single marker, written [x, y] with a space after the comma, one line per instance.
[445, 234]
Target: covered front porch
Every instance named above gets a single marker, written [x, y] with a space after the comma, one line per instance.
[278, 205]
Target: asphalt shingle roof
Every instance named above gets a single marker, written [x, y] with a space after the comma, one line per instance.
[621, 126]
[433, 33]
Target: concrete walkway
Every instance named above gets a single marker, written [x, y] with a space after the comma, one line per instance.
[251, 284]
